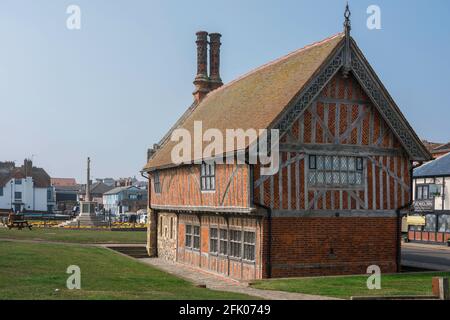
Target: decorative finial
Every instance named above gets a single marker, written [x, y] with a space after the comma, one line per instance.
[347, 54]
[347, 15]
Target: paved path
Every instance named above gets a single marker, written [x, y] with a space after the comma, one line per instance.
[423, 256]
[219, 283]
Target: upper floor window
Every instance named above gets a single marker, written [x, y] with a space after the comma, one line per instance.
[49, 194]
[208, 177]
[157, 182]
[423, 192]
[18, 195]
[335, 170]
[1, 191]
[18, 181]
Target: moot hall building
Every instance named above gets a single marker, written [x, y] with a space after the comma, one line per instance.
[346, 155]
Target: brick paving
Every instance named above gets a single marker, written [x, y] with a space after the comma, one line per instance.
[222, 283]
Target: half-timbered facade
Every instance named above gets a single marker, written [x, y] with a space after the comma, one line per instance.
[345, 170]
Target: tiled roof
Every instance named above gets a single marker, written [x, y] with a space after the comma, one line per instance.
[40, 177]
[438, 167]
[63, 182]
[443, 147]
[97, 188]
[255, 100]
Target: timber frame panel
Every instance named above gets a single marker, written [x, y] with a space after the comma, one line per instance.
[379, 96]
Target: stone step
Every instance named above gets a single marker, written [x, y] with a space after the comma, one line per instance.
[135, 252]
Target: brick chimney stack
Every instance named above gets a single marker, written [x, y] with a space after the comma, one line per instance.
[28, 167]
[201, 81]
[214, 60]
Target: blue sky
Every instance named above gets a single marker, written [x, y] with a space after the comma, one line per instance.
[113, 88]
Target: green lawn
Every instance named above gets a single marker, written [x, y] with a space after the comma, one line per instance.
[75, 236]
[35, 271]
[348, 286]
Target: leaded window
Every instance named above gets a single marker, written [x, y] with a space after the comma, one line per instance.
[188, 236]
[213, 240]
[335, 170]
[249, 245]
[223, 242]
[196, 238]
[235, 243]
[208, 177]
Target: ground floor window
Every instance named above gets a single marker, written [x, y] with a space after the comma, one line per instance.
[444, 223]
[213, 240]
[235, 243]
[431, 223]
[188, 241]
[249, 246]
[223, 247]
[196, 237]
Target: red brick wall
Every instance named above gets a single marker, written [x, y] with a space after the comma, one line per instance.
[330, 246]
[203, 259]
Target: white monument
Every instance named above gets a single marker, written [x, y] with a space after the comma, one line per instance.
[87, 216]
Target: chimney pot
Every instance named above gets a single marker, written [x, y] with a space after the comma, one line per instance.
[201, 81]
[214, 60]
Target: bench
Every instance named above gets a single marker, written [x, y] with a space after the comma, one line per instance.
[17, 221]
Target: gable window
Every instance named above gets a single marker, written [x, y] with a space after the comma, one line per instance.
[157, 182]
[208, 177]
[18, 181]
[335, 171]
[214, 240]
[235, 243]
[249, 246]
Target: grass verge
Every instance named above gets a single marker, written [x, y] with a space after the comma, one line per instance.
[75, 236]
[348, 286]
[38, 271]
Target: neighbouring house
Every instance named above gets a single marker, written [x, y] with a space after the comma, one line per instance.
[25, 188]
[108, 181]
[346, 153]
[98, 189]
[63, 182]
[125, 199]
[431, 192]
[437, 149]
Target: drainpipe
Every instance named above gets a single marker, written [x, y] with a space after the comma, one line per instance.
[269, 226]
[151, 222]
[399, 216]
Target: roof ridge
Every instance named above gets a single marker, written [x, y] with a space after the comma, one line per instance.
[282, 58]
